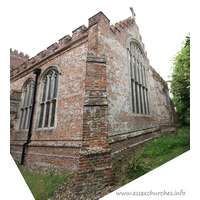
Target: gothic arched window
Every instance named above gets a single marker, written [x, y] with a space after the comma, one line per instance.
[26, 104]
[139, 83]
[48, 98]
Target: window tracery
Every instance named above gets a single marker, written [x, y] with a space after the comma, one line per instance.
[49, 87]
[138, 76]
[26, 105]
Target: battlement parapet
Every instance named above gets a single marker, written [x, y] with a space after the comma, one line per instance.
[62, 44]
[97, 18]
[20, 55]
[65, 40]
[68, 40]
[156, 75]
[120, 26]
[79, 31]
[57, 47]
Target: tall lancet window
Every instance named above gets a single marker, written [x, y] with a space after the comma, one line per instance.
[48, 99]
[139, 83]
[26, 104]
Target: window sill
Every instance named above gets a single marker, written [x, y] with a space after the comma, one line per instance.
[23, 130]
[44, 128]
[141, 115]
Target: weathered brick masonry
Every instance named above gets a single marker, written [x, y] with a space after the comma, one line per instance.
[94, 123]
[17, 59]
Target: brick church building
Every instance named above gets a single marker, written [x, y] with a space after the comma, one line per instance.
[94, 97]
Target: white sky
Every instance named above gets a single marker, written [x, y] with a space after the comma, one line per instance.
[163, 25]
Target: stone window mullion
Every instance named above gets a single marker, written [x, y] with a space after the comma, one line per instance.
[48, 99]
[138, 76]
[26, 105]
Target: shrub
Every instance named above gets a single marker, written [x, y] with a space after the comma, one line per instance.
[136, 167]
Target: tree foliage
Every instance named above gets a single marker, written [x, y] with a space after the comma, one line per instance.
[180, 82]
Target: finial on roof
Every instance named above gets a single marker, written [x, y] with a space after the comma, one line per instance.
[133, 13]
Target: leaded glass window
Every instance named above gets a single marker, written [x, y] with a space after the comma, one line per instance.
[138, 76]
[26, 105]
[48, 100]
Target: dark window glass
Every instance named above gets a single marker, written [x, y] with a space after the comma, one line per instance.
[29, 94]
[41, 115]
[138, 70]
[131, 67]
[56, 86]
[145, 78]
[136, 98]
[29, 116]
[134, 64]
[44, 90]
[50, 86]
[24, 103]
[132, 92]
[32, 91]
[47, 114]
[144, 102]
[147, 102]
[141, 107]
[142, 75]
[53, 112]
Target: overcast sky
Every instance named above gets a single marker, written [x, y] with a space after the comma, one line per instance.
[163, 25]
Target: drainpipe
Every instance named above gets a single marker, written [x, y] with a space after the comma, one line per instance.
[37, 72]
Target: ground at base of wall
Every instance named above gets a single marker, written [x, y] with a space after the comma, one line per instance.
[153, 155]
[133, 166]
[123, 171]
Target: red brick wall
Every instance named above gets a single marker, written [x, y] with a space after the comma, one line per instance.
[95, 170]
[59, 145]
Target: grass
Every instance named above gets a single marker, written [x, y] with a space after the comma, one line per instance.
[167, 144]
[41, 185]
[152, 156]
[156, 153]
